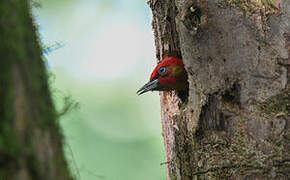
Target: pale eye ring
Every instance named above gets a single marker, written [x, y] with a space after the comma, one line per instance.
[162, 70]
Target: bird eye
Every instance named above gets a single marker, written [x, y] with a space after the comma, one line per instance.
[162, 70]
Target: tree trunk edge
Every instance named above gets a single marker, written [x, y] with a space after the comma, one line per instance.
[216, 117]
[30, 136]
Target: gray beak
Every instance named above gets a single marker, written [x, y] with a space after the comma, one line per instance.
[150, 86]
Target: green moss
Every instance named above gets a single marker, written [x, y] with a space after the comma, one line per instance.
[24, 70]
[8, 144]
[278, 105]
[9, 147]
[223, 159]
[267, 7]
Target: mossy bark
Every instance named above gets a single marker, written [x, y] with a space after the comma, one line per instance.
[236, 121]
[30, 138]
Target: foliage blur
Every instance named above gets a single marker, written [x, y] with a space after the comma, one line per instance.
[101, 53]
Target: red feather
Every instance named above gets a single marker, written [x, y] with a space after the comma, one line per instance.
[168, 61]
[172, 77]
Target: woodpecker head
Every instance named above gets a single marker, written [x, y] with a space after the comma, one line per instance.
[168, 75]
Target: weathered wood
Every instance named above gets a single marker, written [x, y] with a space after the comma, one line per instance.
[236, 122]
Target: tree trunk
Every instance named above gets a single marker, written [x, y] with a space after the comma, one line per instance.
[30, 139]
[235, 123]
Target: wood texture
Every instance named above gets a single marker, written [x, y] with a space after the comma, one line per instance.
[236, 122]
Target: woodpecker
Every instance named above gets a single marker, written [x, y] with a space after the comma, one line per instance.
[168, 75]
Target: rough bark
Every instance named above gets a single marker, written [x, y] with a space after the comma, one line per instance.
[30, 139]
[236, 121]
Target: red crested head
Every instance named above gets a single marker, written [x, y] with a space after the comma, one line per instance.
[168, 75]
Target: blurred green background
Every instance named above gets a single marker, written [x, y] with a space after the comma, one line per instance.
[106, 54]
